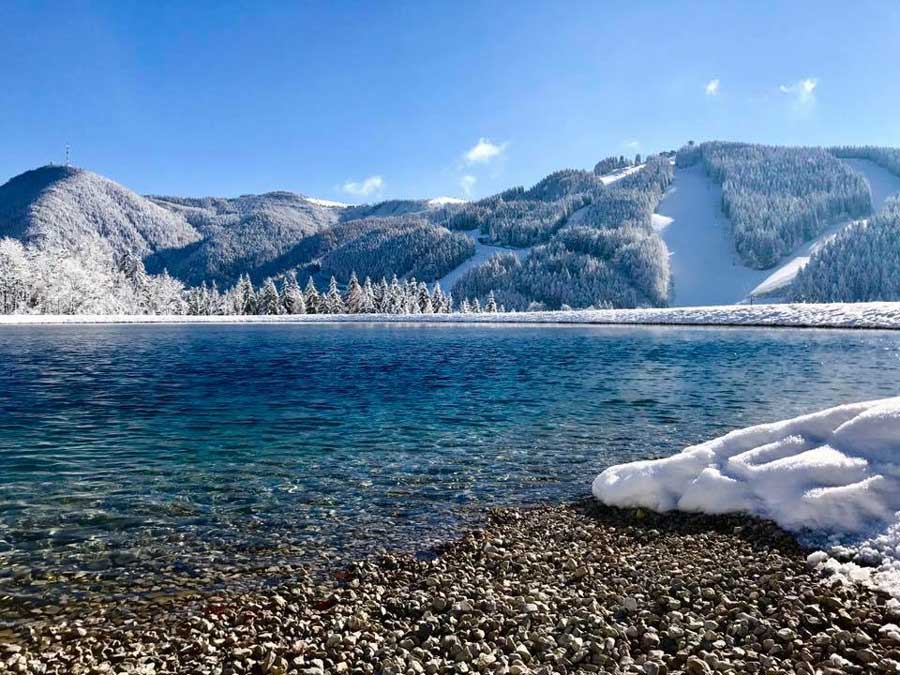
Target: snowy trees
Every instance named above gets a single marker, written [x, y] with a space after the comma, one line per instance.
[608, 255]
[87, 280]
[776, 197]
[862, 263]
[611, 164]
[14, 276]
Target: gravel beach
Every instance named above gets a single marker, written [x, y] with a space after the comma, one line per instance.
[553, 589]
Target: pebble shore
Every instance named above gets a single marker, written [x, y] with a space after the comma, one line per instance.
[574, 588]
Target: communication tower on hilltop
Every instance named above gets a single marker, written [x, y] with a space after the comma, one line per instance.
[67, 155]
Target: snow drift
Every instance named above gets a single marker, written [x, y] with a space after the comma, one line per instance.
[832, 477]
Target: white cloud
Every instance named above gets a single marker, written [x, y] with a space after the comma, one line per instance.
[712, 87]
[467, 183]
[631, 145]
[803, 92]
[484, 151]
[365, 187]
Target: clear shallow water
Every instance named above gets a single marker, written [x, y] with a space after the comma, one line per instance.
[136, 448]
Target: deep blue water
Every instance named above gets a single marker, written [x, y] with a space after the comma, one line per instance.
[185, 442]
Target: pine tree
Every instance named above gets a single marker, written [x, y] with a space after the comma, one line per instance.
[411, 297]
[437, 298]
[292, 300]
[369, 304]
[423, 299]
[396, 301]
[312, 297]
[216, 304]
[198, 300]
[333, 303]
[465, 307]
[383, 297]
[247, 296]
[491, 303]
[269, 301]
[476, 306]
[354, 299]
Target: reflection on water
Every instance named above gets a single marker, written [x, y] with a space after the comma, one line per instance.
[120, 445]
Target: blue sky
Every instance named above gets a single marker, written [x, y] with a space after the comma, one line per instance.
[363, 101]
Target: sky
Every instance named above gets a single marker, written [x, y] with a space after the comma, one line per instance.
[363, 101]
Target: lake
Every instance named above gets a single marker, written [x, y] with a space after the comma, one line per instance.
[142, 451]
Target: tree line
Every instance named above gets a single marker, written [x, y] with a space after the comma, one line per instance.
[91, 280]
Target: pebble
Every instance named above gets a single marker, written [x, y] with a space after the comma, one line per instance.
[552, 590]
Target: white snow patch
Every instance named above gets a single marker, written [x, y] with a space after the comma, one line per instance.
[831, 476]
[609, 178]
[327, 203]
[878, 315]
[443, 201]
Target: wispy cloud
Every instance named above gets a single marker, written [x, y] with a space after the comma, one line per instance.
[631, 145]
[467, 183]
[803, 92]
[365, 187]
[484, 151]
[712, 87]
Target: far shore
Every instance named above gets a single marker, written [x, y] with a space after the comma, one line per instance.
[866, 315]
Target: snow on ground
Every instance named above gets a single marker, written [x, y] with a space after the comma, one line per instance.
[443, 201]
[483, 253]
[706, 269]
[832, 477]
[787, 270]
[610, 178]
[327, 202]
[882, 183]
[880, 315]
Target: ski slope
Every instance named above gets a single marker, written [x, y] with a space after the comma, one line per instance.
[615, 176]
[705, 268]
[882, 184]
[483, 253]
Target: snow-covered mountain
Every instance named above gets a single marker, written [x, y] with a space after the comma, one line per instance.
[715, 223]
[241, 234]
[64, 207]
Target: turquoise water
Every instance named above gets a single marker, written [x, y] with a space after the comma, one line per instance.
[198, 443]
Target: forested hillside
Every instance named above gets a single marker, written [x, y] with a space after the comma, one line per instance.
[239, 235]
[606, 254]
[72, 241]
[862, 263]
[777, 197]
[407, 245]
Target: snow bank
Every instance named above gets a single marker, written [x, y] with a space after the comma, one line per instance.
[877, 315]
[833, 477]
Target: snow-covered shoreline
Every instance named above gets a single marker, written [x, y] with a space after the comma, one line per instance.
[868, 315]
[831, 477]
